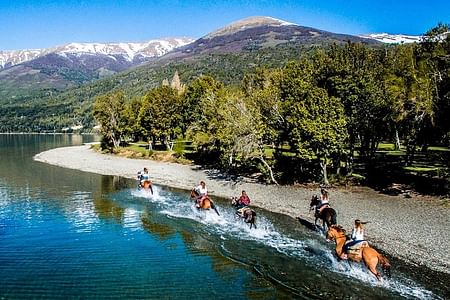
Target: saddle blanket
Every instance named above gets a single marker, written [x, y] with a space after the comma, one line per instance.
[355, 248]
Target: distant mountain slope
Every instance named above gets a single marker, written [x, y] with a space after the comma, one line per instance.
[256, 33]
[74, 64]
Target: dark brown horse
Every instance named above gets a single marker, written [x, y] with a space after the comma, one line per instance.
[327, 214]
[370, 256]
[206, 204]
[245, 212]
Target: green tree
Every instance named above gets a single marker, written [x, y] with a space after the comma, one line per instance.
[191, 108]
[316, 124]
[160, 115]
[109, 112]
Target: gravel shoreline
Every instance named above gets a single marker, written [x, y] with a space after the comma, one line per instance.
[414, 229]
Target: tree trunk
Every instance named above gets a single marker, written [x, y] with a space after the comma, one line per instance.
[169, 144]
[323, 165]
[268, 168]
[397, 140]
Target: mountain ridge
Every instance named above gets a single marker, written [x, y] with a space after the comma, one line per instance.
[128, 50]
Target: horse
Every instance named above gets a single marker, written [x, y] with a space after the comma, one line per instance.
[146, 185]
[245, 212]
[207, 203]
[369, 255]
[327, 215]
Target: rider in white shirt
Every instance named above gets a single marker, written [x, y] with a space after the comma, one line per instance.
[357, 235]
[324, 201]
[202, 192]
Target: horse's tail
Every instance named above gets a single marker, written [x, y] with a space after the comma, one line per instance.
[214, 207]
[253, 219]
[385, 264]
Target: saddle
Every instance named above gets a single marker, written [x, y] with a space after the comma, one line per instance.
[355, 248]
[321, 207]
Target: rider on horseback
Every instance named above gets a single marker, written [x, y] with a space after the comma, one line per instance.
[243, 201]
[324, 201]
[357, 238]
[142, 177]
[202, 192]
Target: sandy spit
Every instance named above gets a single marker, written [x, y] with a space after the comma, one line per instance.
[414, 229]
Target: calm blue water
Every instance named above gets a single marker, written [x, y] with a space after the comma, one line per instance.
[66, 234]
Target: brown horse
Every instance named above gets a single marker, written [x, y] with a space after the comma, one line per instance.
[370, 256]
[206, 204]
[146, 185]
[245, 212]
[327, 215]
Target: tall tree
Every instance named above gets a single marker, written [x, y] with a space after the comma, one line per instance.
[109, 112]
[316, 123]
[160, 115]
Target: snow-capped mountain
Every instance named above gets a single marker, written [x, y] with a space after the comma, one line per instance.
[254, 33]
[248, 23]
[393, 38]
[132, 52]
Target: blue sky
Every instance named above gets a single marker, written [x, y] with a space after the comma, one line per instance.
[41, 24]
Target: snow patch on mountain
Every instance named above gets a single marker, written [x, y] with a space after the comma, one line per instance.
[152, 48]
[393, 38]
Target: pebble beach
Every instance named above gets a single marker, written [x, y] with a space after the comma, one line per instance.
[413, 229]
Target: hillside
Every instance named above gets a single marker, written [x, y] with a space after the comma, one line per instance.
[24, 72]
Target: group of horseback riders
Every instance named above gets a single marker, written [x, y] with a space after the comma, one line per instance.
[324, 211]
[200, 194]
[348, 247]
[202, 200]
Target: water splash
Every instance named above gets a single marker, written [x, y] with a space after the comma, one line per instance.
[228, 226]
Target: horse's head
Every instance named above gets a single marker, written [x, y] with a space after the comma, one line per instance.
[234, 201]
[314, 201]
[194, 194]
[334, 232]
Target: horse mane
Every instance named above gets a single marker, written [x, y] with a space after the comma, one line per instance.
[338, 228]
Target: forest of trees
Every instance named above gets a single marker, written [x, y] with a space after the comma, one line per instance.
[313, 115]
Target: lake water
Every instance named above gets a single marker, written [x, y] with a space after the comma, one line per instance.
[66, 234]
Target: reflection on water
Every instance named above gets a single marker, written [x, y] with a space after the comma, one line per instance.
[69, 234]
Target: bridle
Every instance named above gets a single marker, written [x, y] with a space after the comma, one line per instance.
[337, 235]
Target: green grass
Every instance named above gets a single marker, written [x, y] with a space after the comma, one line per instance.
[358, 176]
[443, 149]
[386, 147]
[420, 169]
[140, 148]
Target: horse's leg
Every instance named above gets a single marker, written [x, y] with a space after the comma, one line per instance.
[370, 258]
